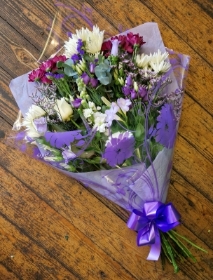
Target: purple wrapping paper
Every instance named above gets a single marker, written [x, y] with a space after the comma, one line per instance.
[129, 187]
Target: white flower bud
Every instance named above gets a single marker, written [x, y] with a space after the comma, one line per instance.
[63, 109]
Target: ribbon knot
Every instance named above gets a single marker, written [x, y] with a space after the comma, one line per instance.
[155, 216]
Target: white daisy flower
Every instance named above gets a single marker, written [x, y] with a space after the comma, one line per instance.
[34, 112]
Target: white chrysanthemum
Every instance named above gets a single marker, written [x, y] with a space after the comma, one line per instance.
[93, 41]
[158, 57]
[34, 112]
[160, 67]
[142, 60]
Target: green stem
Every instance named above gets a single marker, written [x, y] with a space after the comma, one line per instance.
[75, 123]
[188, 241]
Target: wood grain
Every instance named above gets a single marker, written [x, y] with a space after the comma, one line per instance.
[51, 227]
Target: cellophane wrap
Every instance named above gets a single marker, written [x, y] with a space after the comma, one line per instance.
[132, 186]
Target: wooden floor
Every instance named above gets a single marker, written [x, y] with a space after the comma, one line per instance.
[51, 227]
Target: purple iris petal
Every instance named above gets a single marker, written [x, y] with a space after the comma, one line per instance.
[41, 125]
[94, 82]
[119, 148]
[76, 103]
[166, 127]
[59, 139]
[85, 78]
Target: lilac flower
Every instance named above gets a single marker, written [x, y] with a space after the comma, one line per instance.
[111, 113]
[114, 50]
[166, 127]
[85, 78]
[143, 93]
[41, 125]
[76, 103]
[119, 147]
[129, 81]
[126, 90]
[80, 44]
[133, 94]
[124, 104]
[68, 155]
[92, 67]
[93, 82]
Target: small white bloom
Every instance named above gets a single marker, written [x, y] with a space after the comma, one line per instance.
[91, 105]
[87, 113]
[100, 121]
[33, 113]
[63, 109]
[124, 104]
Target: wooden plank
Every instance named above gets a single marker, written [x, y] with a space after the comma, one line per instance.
[7, 274]
[24, 256]
[191, 29]
[73, 254]
[68, 211]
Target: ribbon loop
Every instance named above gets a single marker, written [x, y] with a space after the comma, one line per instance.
[155, 216]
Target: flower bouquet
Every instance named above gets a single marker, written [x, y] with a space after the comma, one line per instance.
[106, 112]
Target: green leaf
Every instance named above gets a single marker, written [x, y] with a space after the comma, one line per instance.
[140, 132]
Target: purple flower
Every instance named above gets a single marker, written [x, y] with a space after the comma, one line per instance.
[92, 67]
[75, 57]
[41, 125]
[54, 75]
[166, 127]
[68, 155]
[133, 94]
[76, 103]
[94, 82]
[143, 93]
[79, 47]
[119, 147]
[129, 81]
[85, 78]
[126, 90]
[114, 50]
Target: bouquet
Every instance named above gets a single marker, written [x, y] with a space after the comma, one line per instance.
[106, 112]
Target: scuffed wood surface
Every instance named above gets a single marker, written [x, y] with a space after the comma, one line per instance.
[51, 227]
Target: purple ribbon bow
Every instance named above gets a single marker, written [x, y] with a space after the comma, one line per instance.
[154, 217]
